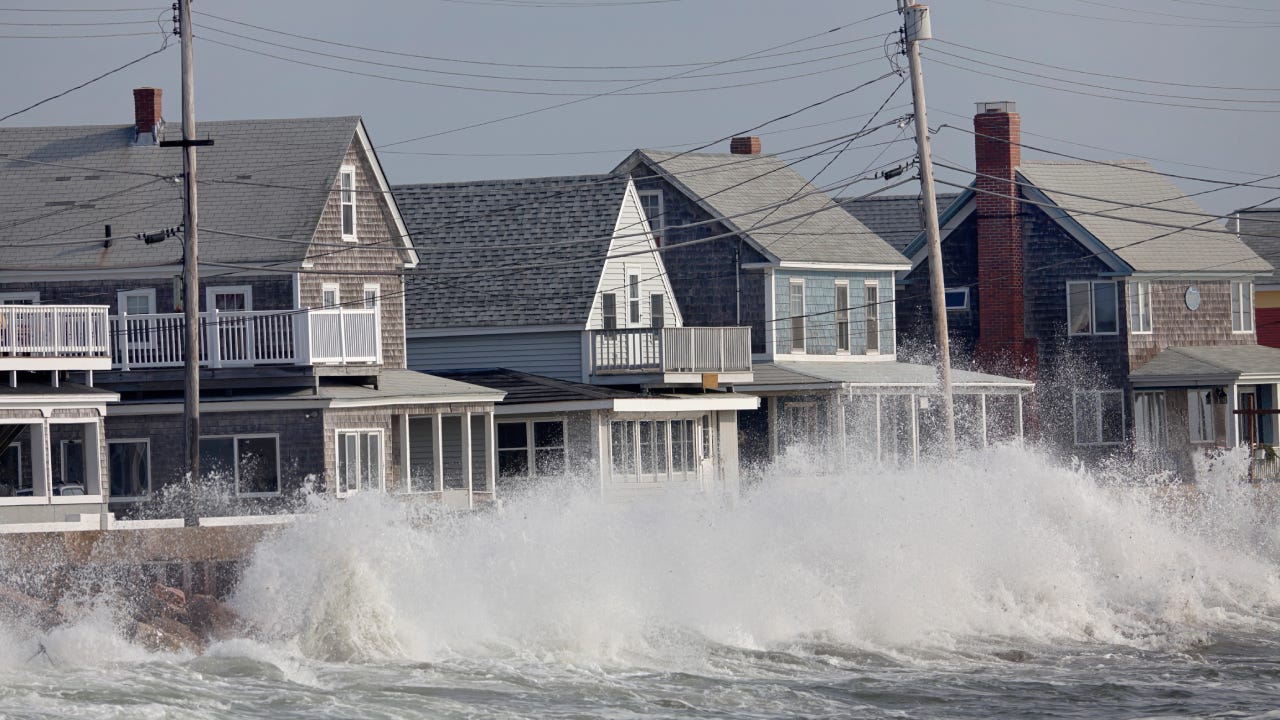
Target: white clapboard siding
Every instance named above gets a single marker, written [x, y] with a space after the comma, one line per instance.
[627, 240]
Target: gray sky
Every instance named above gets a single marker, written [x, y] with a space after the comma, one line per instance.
[1190, 42]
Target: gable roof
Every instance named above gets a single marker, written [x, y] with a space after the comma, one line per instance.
[897, 219]
[742, 192]
[59, 187]
[516, 252]
[1134, 229]
[1210, 363]
[1259, 228]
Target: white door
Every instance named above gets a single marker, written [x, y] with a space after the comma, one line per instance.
[235, 326]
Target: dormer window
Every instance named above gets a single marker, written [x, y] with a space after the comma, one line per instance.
[1241, 306]
[651, 201]
[347, 198]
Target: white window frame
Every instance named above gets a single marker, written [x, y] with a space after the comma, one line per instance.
[1100, 424]
[844, 337]
[235, 451]
[129, 441]
[347, 199]
[531, 447]
[1242, 321]
[360, 433]
[17, 446]
[62, 461]
[1199, 411]
[657, 223]
[871, 316]
[795, 321]
[371, 302]
[211, 294]
[964, 304]
[658, 320]
[24, 297]
[1140, 316]
[635, 309]
[337, 296]
[670, 474]
[1093, 307]
[143, 337]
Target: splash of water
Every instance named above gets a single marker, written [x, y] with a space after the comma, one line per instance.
[998, 544]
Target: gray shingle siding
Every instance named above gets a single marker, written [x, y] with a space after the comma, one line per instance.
[551, 354]
[272, 292]
[915, 306]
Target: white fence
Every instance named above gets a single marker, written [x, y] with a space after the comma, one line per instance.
[673, 350]
[55, 330]
[261, 337]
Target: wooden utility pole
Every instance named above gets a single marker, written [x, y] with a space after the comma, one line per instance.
[916, 27]
[190, 254]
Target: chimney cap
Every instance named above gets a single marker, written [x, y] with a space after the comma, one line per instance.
[997, 106]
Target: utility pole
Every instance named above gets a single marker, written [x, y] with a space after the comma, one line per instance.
[915, 28]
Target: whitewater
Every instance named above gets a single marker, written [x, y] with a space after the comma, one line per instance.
[1000, 584]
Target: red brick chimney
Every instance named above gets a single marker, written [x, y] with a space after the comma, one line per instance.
[745, 145]
[1002, 342]
[146, 109]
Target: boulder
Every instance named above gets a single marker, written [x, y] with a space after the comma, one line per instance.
[165, 635]
[212, 619]
[19, 607]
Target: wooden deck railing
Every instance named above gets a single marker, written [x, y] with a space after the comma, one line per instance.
[671, 350]
[262, 337]
[55, 331]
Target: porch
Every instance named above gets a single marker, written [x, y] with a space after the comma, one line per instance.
[54, 337]
[676, 355]
[331, 336]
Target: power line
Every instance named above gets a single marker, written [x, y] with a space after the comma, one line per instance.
[1196, 25]
[88, 82]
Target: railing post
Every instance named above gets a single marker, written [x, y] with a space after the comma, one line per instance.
[342, 335]
[212, 339]
[122, 334]
[302, 337]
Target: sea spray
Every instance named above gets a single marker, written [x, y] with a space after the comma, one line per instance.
[998, 545]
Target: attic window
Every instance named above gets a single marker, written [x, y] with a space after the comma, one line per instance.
[347, 198]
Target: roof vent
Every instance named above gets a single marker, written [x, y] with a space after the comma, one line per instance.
[998, 106]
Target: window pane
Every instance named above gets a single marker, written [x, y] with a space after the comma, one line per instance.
[218, 458]
[513, 463]
[257, 458]
[873, 318]
[548, 434]
[128, 467]
[11, 469]
[646, 447]
[657, 311]
[956, 299]
[1105, 309]
[660, 446]
[1086, 417]
[347, 462]
[842, 317]
[609, 310]
[512, 435]
[371, 462]
[73, 462]
[797, 316]
[1078, 309]
[1112, 417]
[549, 461]
[621, 447]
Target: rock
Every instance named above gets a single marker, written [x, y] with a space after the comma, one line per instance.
[169, 595]
[165, 635]
[20, 607]
[212, 619]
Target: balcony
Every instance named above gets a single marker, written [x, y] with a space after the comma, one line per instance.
[337, 336]
[54, 337]
[679, 355]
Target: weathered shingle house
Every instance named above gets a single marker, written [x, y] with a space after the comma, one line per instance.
[1126, 302]
[748, 241]
[551, 290]
[302, 351]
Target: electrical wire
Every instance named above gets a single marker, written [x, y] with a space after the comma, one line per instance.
[87, 82]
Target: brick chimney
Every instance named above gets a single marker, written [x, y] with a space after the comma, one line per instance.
[147, 110]
[1002, 342]
[745, 145]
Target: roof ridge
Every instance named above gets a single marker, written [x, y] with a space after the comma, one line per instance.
[505, 181]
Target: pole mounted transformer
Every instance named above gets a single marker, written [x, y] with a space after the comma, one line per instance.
[916, 27]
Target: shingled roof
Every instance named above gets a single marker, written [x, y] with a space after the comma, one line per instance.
[897, 219]
[59, 187]
[502, 253]
[742, 191]
[1259, 228]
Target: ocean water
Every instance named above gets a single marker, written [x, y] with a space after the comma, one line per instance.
[999, 585]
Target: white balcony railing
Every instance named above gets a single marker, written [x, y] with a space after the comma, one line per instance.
[54, 331]
[263, 337]
[671, 350]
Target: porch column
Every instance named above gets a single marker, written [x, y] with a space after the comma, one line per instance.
[93, 452]
[406, 475]
[982, 413]
[601, 439]
[41, 467]
[1233, 420]
[837, 425]
[491, 452]
[1017, 414]
[437, 451]
[725, 439]
[772, 405]
[879, 431]
[466, 457]
[915, 430]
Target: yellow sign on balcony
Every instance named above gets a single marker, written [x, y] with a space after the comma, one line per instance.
[710, 381]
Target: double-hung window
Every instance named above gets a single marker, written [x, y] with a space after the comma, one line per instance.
[1241, 306]
[609, 311]
[329, 295]
[633, 298]
[371, 295]
[129, 469]
[1140, 307]
[359, 460]
[1092, 308]
[347, 199]
[140, 332]
[651, 201]
[1099, 417]
[796, 310]
[250, 462]
[657, 310]
[1200, 414]
[842, 317]
[872, 303]
[531, 448]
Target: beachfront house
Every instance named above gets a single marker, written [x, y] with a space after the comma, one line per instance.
[551, 290]
[1259, 228]
[1129, 304]
[747, 241]
[302, 353]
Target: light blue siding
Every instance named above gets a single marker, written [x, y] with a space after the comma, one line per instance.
[820, 320]
[552, 354]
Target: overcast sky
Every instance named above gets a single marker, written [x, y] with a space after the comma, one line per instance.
[1182, 53]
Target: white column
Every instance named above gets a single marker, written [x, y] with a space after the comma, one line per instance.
[915, 430]
[1233, 420]
[600, 440]
[725, 440]
[406, 476]
[491, 452]
[466, 457]
[41, 467]
[982, 411]
[1017, 414]
[93, 440]
[437, 450]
